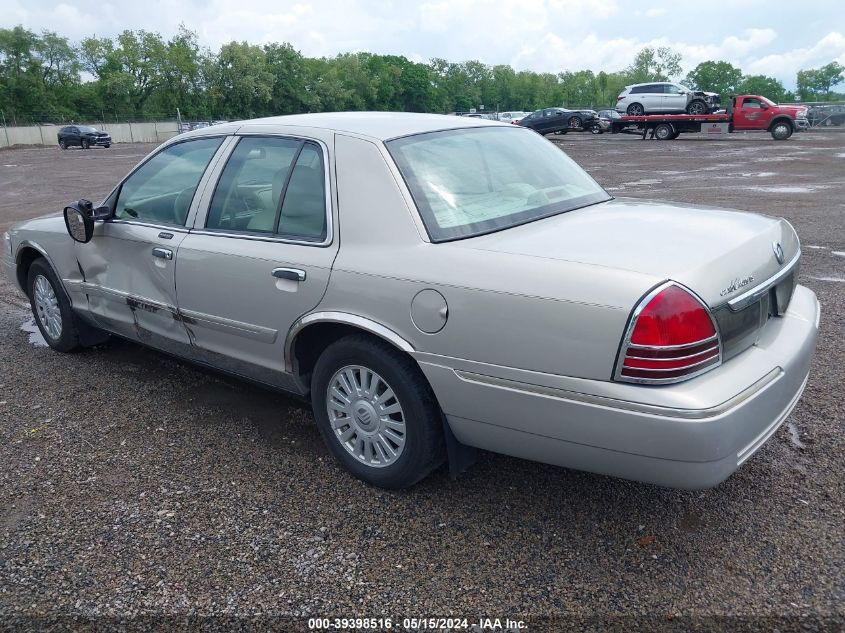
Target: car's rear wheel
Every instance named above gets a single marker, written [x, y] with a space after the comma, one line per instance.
[62, 144]
[697, 107]
[781, 131]
[635, 109]
[596, 129]
[86, 143]
[664, 132]
[376, 412]
[51, 308]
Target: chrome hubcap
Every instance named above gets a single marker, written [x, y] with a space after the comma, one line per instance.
[47, 307]
[366, 416]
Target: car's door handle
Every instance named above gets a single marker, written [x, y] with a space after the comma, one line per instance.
[163, 253]
[294, 274]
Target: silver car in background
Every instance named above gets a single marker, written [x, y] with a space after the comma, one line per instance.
[434, 283]
[665, 98]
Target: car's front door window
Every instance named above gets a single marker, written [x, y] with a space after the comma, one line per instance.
[161, 190]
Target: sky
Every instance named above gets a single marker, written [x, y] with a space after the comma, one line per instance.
[773, 37]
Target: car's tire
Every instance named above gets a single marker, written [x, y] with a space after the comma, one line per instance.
[387, 432]
[596, 129]
[781, 130]
[664, 132]
[574, 122]
[107, 145]
[51, 308]
[635, 109]
[697, 107]
[62, 144]
[86, 143]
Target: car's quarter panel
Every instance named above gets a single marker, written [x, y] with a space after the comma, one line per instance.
[697, 435]
[511, 310]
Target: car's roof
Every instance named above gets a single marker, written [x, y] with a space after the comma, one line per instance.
[378, 125]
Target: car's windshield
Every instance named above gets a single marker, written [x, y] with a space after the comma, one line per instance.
[86, 128]
[473, 181]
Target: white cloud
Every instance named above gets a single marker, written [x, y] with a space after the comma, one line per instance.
[542, 35]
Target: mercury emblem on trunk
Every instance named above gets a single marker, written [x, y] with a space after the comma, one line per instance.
[776, 247]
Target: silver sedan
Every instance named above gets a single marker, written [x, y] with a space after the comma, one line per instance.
[436, 285]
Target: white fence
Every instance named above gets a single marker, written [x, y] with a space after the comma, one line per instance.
[148, 132]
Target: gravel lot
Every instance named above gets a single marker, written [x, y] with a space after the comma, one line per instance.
[136, 485]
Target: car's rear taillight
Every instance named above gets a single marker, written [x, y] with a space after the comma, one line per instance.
[620, 97]
[671, 336]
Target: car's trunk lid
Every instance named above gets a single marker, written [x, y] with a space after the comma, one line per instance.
[717, 253]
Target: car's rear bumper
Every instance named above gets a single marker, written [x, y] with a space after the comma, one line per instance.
[688, 435]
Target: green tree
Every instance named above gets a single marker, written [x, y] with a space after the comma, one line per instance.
[661, 64]
[815, 84]
[721, 77]
[768, 87]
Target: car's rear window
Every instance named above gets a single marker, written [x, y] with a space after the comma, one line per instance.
[473, 181]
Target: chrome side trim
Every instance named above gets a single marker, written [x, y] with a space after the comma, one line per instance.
[624, 405]
[230, 326]
[363, 323]
[746, 298]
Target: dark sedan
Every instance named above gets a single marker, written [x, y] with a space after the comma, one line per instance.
[84, 136]
[560, 120]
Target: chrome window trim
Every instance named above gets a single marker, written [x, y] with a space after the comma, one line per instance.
[629, 331]
[271, 237]
[747, 298]
[173, 228]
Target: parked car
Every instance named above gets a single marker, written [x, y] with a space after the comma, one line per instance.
[826, 115]
[82, 135]
[665, 98]
[559, 120]
[513, 116]
[511, 304]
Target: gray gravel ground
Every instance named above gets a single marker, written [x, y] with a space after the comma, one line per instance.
[136, 485]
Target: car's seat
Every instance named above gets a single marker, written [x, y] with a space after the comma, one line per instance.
[304, 206]
[264, 219]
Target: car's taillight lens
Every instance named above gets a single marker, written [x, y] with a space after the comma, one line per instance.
[671, 337]
[620, 97]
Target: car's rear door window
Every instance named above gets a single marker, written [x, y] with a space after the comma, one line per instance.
[161, 190]
[272, 185]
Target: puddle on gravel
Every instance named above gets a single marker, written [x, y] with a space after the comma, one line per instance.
[838, 253]
[834, 279]
[820, 248]
[794, 436]
[35, 337]
[783, 189]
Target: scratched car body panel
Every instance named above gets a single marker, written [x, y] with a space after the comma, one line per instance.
[546, 318]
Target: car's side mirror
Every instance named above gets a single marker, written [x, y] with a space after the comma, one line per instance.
[80, 217]
[765, 106]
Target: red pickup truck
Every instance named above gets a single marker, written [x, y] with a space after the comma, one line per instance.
[745, 113]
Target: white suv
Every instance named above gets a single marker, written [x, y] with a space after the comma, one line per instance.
[665, 97]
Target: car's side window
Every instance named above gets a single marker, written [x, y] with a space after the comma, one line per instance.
[751, 103]
[161, 190]
[272, 185]
[304, 205]
[638, 90]
[250, 189]
[671, 90]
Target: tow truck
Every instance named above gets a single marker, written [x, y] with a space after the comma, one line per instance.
[744, 113]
